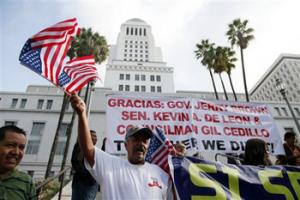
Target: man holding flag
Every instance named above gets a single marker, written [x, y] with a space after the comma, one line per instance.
[122, 179]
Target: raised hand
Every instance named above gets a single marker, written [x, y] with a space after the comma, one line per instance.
[77, 104]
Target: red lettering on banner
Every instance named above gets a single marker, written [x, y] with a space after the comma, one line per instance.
[233, 131]
[209, 106]
[122, 129]
[210, 130]
[128, 103]
[170, 116]
[196, 118]
[134, 115]
[212, 118]
[179, 104]
[236, 119]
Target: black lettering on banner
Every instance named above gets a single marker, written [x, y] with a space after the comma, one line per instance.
[213, 144]
[119, 144]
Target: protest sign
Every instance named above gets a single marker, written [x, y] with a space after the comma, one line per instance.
[199, 179]
[211, 126]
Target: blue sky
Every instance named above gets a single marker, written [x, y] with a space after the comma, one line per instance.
[176, 25]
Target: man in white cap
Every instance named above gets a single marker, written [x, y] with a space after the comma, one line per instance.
[122, 179]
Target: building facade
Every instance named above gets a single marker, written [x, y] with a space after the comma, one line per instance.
[135, 64]
[287, 68]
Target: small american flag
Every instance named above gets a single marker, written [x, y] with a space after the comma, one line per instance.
[45, 51]
[159, 149]
[77, 73]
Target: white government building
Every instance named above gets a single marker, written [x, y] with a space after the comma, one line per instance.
[135, 65]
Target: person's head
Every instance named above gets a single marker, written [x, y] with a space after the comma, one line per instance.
[180, 149]
[136, 144]
[12, 145]
[290, 138]
[255, 152]
[94, 136]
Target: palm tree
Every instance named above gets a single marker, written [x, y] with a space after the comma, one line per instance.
[206, 52]
[220, 65]
[230, 59]
[88, 43]
[239, 34]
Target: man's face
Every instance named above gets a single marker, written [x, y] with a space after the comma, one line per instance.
[11, 151]
[94, 137]
[137, 146]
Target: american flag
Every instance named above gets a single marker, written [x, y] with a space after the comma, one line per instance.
[159, 149]
[45, 51]
[77, 73]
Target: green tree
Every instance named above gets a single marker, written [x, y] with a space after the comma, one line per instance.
[206, 52]
[220, 65]
[239, 34]
[229, 56]
[88, 43]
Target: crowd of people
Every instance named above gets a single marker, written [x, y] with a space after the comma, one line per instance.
[117, 178]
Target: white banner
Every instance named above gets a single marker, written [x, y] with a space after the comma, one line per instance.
[212, 126]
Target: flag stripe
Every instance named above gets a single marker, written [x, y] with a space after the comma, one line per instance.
[45, 51]
[80, 71]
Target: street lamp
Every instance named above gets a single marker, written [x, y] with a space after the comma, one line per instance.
[280, 86]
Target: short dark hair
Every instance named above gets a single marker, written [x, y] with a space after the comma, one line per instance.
[10, 128]
[255, 152]
[289, 134]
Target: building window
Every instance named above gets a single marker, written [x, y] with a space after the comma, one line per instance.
[14, 103]
[40, 103]
[158, 78]
[49, 104]
[144, 32]
[143, 77]
[297, 111]
[152, 78]
[121, 76]
[37, 128]
[121, 88]
[23, 103]
[131, 31]
[60, 148]
[158, 88]
[63, 130]
[143, 88]
[278, 111]
[136, 88]
[127, 76]
[10, 123]
[127, 88]
[32, 147]
[127, 31]
[152, 88]
[285, 111]
[137, 77]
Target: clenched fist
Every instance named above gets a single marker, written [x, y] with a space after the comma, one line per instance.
[77, 104]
